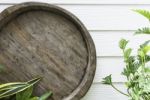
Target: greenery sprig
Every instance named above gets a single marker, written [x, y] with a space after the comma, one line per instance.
[136, 69]
[21, 90]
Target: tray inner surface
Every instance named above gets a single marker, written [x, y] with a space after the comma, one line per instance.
[43, 43]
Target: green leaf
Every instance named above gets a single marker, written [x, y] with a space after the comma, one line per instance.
[45, 96]
[127, 53]
[146, 49]
[8, 86]
[132, 64]
[34, 98]
[18, 89]
[144, 44]
[107, 80]
[144, 13]
[145, 30]
[141, 53]
[123, 43]
[24, 95]
[12, 91]
[33, 81]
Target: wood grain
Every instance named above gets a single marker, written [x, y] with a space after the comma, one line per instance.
[43, 40]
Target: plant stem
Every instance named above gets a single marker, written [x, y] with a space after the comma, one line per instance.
[125, 60]
[119, 90]
[143, 63]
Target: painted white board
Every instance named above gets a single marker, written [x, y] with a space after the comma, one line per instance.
[107, 17]
[82, 1]
[107, 66]
[104, 92]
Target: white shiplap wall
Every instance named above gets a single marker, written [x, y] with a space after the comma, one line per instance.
[107, 21]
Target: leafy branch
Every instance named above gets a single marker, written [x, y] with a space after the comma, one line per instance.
[146, 14]
[27, 95]
[108, 80]
[22, 90]
[145, 30]
[136, 69]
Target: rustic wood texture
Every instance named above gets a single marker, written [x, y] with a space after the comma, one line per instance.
[38, 39]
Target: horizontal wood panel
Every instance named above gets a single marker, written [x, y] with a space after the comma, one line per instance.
[104, 92]
[107, 66]
[106, 42]
[107, 17]
[82, 1]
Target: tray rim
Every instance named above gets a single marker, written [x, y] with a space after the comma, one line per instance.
[7, 14]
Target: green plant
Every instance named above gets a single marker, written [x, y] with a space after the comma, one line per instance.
[27, 95]
[137, 71]
[21, 90]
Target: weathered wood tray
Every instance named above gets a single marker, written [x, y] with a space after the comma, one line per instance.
[38, 39]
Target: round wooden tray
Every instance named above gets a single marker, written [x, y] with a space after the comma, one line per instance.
[38, 39]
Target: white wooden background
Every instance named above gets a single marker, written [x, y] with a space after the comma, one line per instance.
[107, 21]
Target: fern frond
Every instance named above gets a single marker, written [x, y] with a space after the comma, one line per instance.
[145, 13]
[145, 30]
